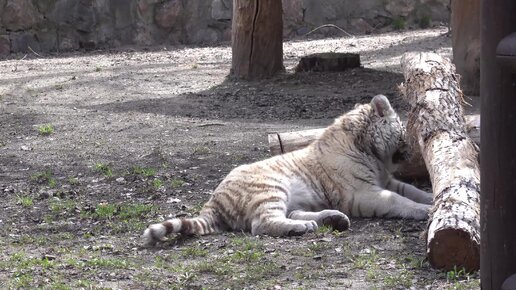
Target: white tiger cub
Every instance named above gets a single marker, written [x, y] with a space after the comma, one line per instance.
[347, 171]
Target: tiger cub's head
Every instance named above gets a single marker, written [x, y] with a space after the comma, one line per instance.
[386, 131]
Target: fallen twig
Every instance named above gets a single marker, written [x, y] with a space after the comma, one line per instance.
[329, 25]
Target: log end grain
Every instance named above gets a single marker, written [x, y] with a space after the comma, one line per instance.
[328, 61]
[453, 249]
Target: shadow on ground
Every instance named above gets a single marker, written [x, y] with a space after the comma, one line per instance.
[288, 97]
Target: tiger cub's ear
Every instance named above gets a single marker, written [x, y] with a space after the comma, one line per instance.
[381, 106]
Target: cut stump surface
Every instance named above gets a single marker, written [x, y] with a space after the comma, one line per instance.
[328, 61]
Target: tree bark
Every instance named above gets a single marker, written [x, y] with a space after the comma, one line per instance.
[414, 168]
[465, 30]
[257, 38]
[436, 125]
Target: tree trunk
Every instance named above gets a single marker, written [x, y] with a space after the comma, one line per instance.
[498, 199]
[414, 168]
[465, 28]
[436, 125]
[257, 36]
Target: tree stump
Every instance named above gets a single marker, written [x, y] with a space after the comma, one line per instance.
[436, 126]
[257, 38]
[328, 61]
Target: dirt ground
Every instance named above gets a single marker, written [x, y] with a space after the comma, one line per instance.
[95, 146]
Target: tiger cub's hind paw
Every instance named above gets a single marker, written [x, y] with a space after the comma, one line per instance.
[335, 219]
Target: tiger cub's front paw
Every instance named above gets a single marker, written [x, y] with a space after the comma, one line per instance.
[303, 227]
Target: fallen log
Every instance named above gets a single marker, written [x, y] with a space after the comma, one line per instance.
[436, 125]
[414, 168]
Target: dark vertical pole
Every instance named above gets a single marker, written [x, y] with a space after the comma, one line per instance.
[498, 147]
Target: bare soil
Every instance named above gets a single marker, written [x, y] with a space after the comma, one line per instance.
[137, 135]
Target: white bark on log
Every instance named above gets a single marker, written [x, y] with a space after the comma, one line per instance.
[436, 125]
[414, 168]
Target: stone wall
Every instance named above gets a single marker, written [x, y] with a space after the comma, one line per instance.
[64, 25]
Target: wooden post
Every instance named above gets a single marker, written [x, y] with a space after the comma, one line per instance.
[498, 143]
[436, 126]
[257, 38]
[465, 29]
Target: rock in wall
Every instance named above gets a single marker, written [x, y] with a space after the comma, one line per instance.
[64, 25]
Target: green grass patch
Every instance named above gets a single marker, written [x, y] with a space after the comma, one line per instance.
[46, 177]
[32, 239]
[372, 273]
[63, 236]
[202, 150]
[104, 211]
[247, 256]
[398, 23]
[20, 261]
[324, 229]
[105, 169]
[196, 208]
[149, 281]
[218, 267]
[194, 251]
[46, 129]
[21, 280]
[247, 242]
[144, 171]
[243, 263]
[363, 261]
[24, 201]
[62, 206]
[129, 211]
[247, 250]
[424, 21]
[60, 286]
[413, 262]
[122, 217]
[109, 263]
[176, 182]
[318, 247]
[402, 278]
[99, 263]
[157, 183]
[457, 274]
[73, 181]
[262, 270]
[460, 279]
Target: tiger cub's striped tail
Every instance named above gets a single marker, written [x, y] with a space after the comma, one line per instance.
[204, 224]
